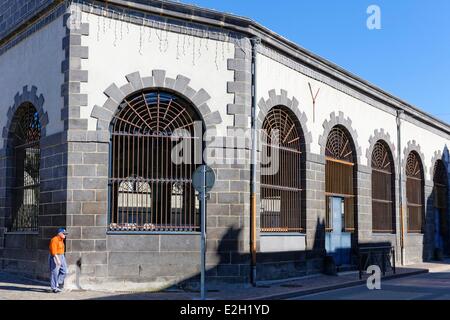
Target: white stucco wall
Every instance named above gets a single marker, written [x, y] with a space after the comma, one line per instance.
[365, 118]
[117, 52]
[35, 61]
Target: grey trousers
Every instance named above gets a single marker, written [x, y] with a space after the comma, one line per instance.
[57, 273]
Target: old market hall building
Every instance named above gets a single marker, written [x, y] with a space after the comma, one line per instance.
[93, 94]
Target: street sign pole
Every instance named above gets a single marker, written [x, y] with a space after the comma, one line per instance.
[203, 181]
[203, 233]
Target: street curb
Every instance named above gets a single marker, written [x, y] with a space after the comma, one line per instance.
[283, 296]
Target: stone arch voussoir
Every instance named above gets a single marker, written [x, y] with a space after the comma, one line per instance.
[27, 95]
[410, 147]
[438, 155]
[134, 82]
[381, 135]
[292, 104]
[341, 120]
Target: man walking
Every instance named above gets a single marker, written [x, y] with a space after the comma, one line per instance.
[57, 261]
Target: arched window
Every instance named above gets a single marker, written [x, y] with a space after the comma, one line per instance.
[414, 193]
[25, 133]
[383, 182]
[155, 147]
[281, 169]
[440, 179]
[339, 176]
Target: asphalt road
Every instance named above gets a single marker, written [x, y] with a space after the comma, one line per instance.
[429, 286]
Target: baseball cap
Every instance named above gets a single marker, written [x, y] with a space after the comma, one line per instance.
[62, 230]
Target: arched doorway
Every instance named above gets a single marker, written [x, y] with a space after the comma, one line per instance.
[150, 190]
[441, 234]
[340, 193]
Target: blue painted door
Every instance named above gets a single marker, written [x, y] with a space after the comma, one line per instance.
[337, 242]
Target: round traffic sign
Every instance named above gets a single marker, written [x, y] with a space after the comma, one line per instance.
[209, 179]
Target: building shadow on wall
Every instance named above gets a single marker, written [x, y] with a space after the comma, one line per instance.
[437, 213]
[234, 267]
[429, 250]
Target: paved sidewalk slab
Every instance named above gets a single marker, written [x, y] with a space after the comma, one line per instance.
[15, 288]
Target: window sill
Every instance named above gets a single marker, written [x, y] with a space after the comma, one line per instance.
[282, 242]
[136, 233]
[281, 234]
[343, 231]
[32, 233]
[383, 233]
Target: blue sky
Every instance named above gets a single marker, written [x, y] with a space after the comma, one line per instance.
[409, 57]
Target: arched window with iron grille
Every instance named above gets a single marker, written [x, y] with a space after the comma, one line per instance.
[383, 182]
[281, 188]
[440, 179]
[149, 191]
[415, 193]
[25, 134]
[339, 176]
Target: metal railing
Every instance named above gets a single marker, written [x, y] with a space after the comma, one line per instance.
[382, 256]
[281, 191]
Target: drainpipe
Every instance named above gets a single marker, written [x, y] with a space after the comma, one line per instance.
[255, 42]
[400, 186]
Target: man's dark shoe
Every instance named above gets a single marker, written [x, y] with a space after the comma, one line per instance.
[56, 290]
[61, 286]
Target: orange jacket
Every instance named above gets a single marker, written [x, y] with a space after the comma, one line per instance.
[56, 246]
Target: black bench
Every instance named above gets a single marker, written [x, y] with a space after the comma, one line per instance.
[376, 255]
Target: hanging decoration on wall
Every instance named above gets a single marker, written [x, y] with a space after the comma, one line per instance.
[190, 41]
[314, 99]
[104, 13]
[88, 14]
[115, 33]
[193, 51]
[178, 47]
[207, 41]
[98, 28]
[149, 38]
[215, 58]
[141, 35]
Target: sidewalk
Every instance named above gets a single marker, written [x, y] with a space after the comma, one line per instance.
[14, 288]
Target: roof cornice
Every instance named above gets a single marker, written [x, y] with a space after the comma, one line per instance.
[30, 20]
[250, 28]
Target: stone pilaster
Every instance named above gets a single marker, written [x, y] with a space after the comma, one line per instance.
[315, 211]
